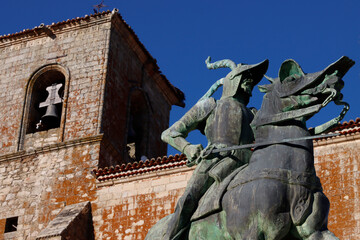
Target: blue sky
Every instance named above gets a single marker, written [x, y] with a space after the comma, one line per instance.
[181, 34]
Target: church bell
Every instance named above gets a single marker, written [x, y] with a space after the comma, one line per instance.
[51, 113]
[51, 117]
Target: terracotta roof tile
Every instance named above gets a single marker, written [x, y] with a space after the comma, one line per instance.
[149, 165]
[346, 128]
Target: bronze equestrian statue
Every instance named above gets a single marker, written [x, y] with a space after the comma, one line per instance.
[225, 122]
[275, 194]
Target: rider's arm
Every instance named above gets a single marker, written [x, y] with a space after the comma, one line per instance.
[177, 133]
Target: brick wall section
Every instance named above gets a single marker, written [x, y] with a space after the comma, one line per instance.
[337, 163]
[128, 207]
[12, 92]
[121, 67]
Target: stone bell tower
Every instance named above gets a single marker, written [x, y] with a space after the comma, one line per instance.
[74, 95]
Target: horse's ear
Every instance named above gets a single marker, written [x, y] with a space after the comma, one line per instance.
[264, 88]
[290, 67]
[272, 80]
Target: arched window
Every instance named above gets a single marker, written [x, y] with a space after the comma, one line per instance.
[137, 126]
[44, 108]
[46, 102]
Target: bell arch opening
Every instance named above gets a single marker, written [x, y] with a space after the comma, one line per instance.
[46, 100]
[44, 109]
[137, 126]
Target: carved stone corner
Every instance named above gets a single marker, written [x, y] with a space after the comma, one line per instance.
[73, 222]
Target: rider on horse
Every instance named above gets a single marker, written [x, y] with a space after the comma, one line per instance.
[225, 122]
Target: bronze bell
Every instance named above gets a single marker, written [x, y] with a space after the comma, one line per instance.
[51, 113]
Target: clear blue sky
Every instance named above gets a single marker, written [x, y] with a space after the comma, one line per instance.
[181, 34]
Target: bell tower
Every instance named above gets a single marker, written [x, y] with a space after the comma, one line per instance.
[108, 90]
[74, 96]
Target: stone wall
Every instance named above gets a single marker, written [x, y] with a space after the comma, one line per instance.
[42, 172]
[36, 186]
[132, 83]
[21, 58]
[337, 163]
[128, 207]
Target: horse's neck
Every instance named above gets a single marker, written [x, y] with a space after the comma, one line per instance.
[279, 132]
[296, 155]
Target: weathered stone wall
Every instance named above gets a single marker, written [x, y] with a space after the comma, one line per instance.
[337, 163]
[42, 172]
[128, 207]
[88, 73]
[82, 52]
[36, 186]
[130, 71]
[73, 222]
[52, 169]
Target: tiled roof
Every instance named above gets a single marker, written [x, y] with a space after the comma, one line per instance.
[346, 128]
[150, 165]
[140, 167]
[32, 32]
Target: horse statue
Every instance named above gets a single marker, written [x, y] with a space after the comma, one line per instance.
[277, 195]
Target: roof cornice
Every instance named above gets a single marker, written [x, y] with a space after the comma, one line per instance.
[141, 167]
[55, 28]
[175, 95]
[349, 131]
[41, 31]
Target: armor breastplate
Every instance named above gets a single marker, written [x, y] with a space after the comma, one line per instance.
[229, 124]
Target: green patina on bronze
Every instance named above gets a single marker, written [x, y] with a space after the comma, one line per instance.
[210, 229]
[272, 193]
[225, 122]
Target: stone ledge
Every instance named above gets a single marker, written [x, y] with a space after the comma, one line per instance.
[142, 176]
[338, 139]
[71, 24]
[10, 236]
[51, 147]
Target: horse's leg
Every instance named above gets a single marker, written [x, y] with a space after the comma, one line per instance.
[187, 204]
[322, 235]
[158, 231]
[273, 212]
[315, 226]
[257, 210]
[212, 227]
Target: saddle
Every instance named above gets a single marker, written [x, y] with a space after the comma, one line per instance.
[210, 202]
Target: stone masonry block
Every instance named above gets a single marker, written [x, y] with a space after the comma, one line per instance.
[73, 222]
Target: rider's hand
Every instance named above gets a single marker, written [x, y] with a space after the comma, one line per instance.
[192, 152]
